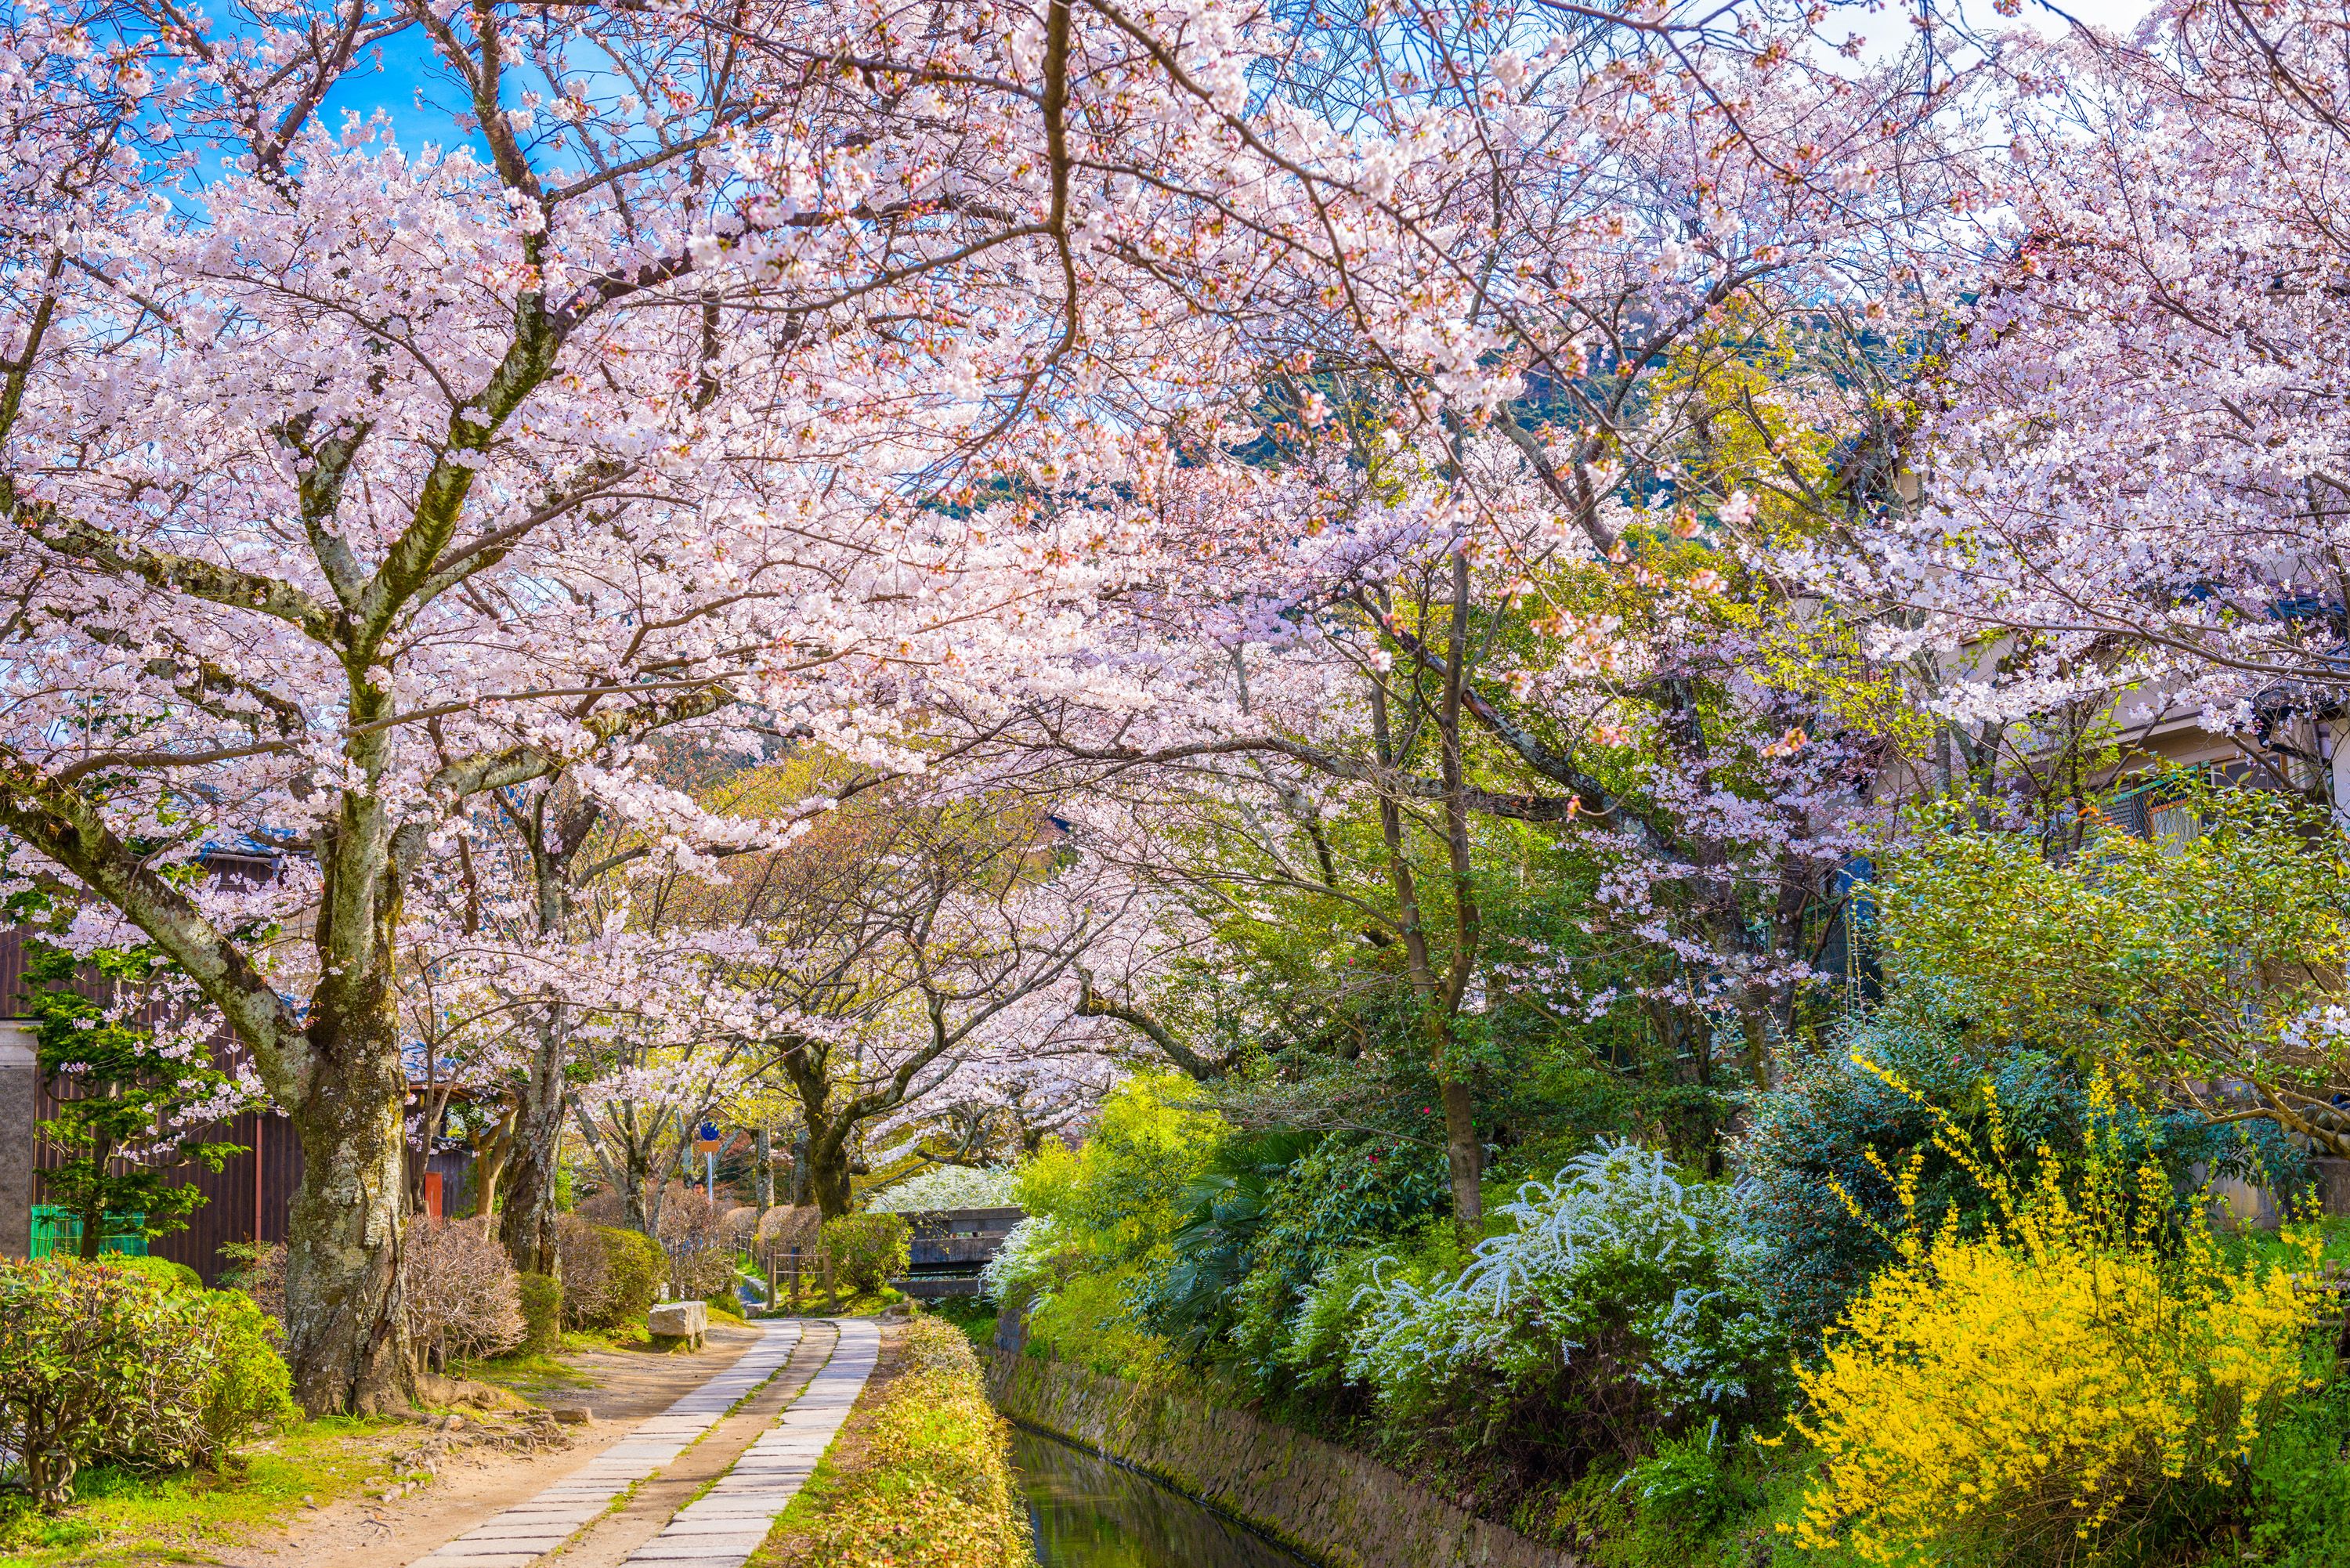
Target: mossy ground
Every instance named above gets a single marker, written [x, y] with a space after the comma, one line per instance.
[121, 1517]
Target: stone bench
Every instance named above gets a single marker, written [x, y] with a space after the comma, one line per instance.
[686, 1320]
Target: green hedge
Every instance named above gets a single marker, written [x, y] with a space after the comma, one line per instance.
[101, 1362]
[936, 1490]
[637, 1269]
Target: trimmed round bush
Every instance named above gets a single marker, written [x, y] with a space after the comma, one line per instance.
[635, 1267]
[251, 1386]
[102, 1361]
[868, 1251]
[169, 1275]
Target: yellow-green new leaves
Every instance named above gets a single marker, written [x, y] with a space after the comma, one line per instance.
[2193, 961]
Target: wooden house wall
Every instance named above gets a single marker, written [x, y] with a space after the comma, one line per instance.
[248, 1199]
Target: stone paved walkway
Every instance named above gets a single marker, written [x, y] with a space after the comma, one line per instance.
[723, 1527]
[528, 1531]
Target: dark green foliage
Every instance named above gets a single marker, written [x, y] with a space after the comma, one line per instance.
[1347, 1195]
[1686, 1491]
[2300, 1482]
[868, 1251]
[120, 1101]
[1272, 1211]
[542, 1312]
[1819, 1130]
[1669, 1509]
[1188, 1298]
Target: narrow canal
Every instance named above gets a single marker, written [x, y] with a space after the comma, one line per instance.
[1090, 1513]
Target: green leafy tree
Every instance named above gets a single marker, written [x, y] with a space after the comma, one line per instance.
[131, 1107]
[2205, 964]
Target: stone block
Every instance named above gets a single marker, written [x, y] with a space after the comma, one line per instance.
[685, 1320]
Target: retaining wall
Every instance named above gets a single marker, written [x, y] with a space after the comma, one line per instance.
[1327, 1503]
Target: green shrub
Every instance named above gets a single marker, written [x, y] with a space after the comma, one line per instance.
[1685, 1492]
[1088, 1321]
[251, 1386]
[97, 1361]
[634, 1269]
[167, 1274]
[868, 1251]
[542, 1313]
[1339, 1199]
[1621, 1308]
[1124, 1190]
[2300, 1487]
[1835, 1124]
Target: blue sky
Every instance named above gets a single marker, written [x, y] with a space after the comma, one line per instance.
[407, 70]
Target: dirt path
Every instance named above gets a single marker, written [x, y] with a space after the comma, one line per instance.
[619, 1389]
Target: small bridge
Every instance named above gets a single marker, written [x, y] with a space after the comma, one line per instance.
[950, 1246]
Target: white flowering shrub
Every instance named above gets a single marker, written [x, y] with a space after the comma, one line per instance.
[1030, 1263]
[1623, 1304]
[944, 1186]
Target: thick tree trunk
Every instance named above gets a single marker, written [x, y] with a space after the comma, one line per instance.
[801, 1189]
[489, 1176]
[346, 1339]
[827, 1172]
[526, 1218]
[763, 1186]
[527, 1225]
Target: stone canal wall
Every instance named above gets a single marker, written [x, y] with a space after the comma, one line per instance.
[1323, 1502]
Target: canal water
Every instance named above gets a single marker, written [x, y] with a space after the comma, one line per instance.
[1090, 1513]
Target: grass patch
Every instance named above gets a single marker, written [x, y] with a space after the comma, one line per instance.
[524, 1372]
[123, 1517]
[974, 1315]
[865, 1304]
[920, 1480]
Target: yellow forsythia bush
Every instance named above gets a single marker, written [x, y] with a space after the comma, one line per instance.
[938, 1491]
[2017, 1397]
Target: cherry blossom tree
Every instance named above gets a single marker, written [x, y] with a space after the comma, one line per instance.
[903, 958]
[2135, 463]
[354, 479]
[823, 375]
[1578, 319]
